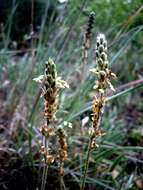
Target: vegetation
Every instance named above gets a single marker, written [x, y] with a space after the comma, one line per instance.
[69, 33]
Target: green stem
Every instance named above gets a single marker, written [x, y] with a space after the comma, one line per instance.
[45, 171]
[86, 164]
[62, 184]
[44, 177]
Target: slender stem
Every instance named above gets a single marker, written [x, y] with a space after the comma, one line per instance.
[62, 184]
[86, 164]
[45, 171]
[44, 177]
[29, 76]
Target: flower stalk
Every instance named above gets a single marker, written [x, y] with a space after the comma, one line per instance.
[50, 91]
[103, 74]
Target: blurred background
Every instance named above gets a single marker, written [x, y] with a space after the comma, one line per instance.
[31, 31]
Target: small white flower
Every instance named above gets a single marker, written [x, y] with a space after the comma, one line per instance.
[39, 79]
[61, 83]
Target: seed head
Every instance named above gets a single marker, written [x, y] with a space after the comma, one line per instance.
[102, 69]
[102, 83]
[62, 151]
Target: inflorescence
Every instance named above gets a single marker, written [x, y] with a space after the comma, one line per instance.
[50, 91]
[102, 83]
